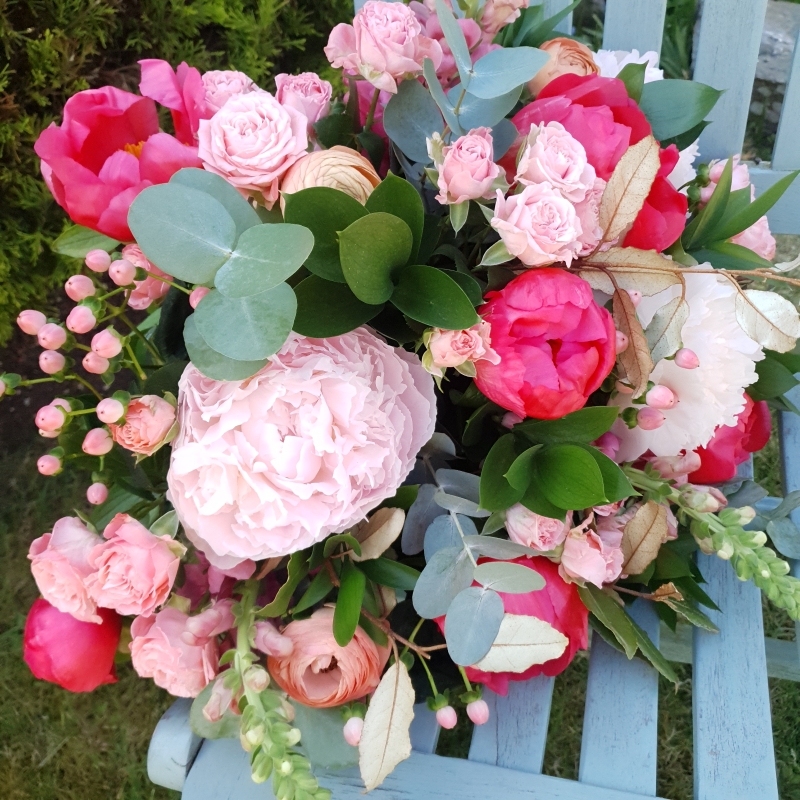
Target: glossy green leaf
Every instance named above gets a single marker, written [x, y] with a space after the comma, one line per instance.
[584, 425]
[774, 379]
[472, 624]
[430, 296]
[612, 615]
[700, 229]
[317, 591]
[77, 241]
[470, 286]
[213, 364]
[632, 75]
[507, 577]
[727, 255]
[395, 196]
[325, 308]
[335, 129]
[521, 472]
[497, 494]
[348, 603]
[503, 70]
[648, 649]
[390, 573]
[165, 379]
[374, 146]
[569, 477]
[410, 118]
[675, 106]
[616, 485]
[296, 570]
[537, 501]
[332, 542]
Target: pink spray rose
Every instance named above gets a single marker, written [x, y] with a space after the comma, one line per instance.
[588, 211]
[60, 567]
[306, 93]
[499, 13]
[384, 44]
[593, 557]
[149, 424]
[222, 84]
[133, 570]
[538, 226]
[455, 348]
[150, 289]
[252, 141]
[306, 447]
[533, 530]
[467, 171]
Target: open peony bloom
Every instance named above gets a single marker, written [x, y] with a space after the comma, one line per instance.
[612, 62]
[306, 93]
[106, 150]
[567, 57]
[149, 424]
[527, 528]
[466, 170]
[556, 345]
[321, 674]
[60, 567]
[306, 447]
[145, 292]
[180, 90]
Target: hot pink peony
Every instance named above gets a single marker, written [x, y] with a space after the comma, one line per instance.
[145, 292]
[533, 530]
[323, 434]
[149, 424]
[306, 93]
[467, 171]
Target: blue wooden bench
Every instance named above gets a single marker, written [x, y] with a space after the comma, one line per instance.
[733, 747]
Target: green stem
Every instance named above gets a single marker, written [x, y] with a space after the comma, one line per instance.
[81, 411]
[137, 367]
[111, 294]
[36, 380]
[86, 384]
[460, 101]
[430, 677]
[372, 106]
[413, 634]
[136, 332]
[169, 282]
[466, 679]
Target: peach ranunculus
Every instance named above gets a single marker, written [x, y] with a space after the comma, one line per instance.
[466, 168]
[222, 84]
[134, 570]
[456, 348]
[306, 93]
[595, 557]
[538, 226]
[339, 168]
[252, 141]
[527, 528]
[60, 567]
[150, 289]
[318, 672]
[384, 44]
[499, 13]
[149, 424]
[567, 57]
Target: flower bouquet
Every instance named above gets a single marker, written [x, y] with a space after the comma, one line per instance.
[423, 377]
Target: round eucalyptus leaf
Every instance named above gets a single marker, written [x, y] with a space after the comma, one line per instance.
[443, 532]
[472, 624]
[247, 328]
[459, 483]
[445, 575]
[501, 71]
[325, 308]
[459, 505]
[410, 118]
[213, 364]
[505, 576]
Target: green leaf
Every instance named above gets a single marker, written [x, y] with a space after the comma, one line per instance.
[77, 241]
[296, 570]
[612, 615]
[699, 230]
[395, 196]
[497, 494]
[652, 653]
[475, 112]
[455, 39]
[688, 587]
[166, 525]
[458, 215]
[632, 75]
[470, 286]
[165, 379]
[348, 603]
[185, 232]
[445, 106]
[727, 255]
[540, 33]
[500, 71]
[325, 308]
[432, 297]
[265, 256]
[213, 364]
[324, 212]
[535, 500]
[374, 146]
[335, 129]
[670, 565]
[569, 477]
[332, 542]
[263, 322]
[317, 591]
[520, 473]
[119, 501]
[371, 250]
[584, 425]
[774, 379]
[390, 573]
[323, 743]
[496, 254]
[616, 485]
[509, 578]
[403, 498]
[692, 614]
[411, 117]
[683, 140]
[393, 325]
[675, 106]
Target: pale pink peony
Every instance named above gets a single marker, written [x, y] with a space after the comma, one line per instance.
[60, 567]
[306, 93]
[538, 226]
[222, 84]
[306, 447]
[134, 569]
[251, 142]
[149, 424]
[593, 557]
[150, 289]
[757, 238]
[499, 13]
[455, 348]
[384, 44]
[467, 170]
[533, 530]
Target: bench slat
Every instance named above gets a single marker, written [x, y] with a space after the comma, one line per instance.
[173, 747]
[424, 730]
[787, 141]
[634, 24]
[783, 216]
[789, 424]
[553, 7]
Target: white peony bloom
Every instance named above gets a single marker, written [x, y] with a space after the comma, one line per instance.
[611, 62]
[684, 170]
[709, 396]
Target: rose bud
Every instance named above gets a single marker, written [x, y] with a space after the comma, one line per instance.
[97, 442]
[50, 418]
[97, 494]
[95, 364]
[467, 169]
[198, 293]
[149, 424]
[122, 272]
[648, 419]
[687, 359]
[51, 362]
[447, 717]
[48, 465]
[107, 343]
[78, 287]
[31, 321]
[80, 320]
[660, 397]
[478, 712]
[622, 342]
[98, 260]
[110, 410]
[52, 336]
[352, 731]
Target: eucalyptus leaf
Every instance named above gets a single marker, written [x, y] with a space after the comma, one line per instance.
[430, 296]
[226, 728]
[504, 134]
[325, 308]
[410, 118]
[461, 484]
[503, 70]
[447, 574]
[503, 549]
[477, 112]
[459, 505]
[422, 512]
[445, 106]
[322, 739]
[76, 241]
[785, 507]
[507, 577]
[443, 533]
[472, 624]
[456, 41]
[213, 364]
[785, 536]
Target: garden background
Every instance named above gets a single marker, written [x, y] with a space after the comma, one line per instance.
[59, 746]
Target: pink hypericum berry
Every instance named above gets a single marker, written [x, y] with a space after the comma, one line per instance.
[48, 465]
[649, 419]
[687, 359]
[122, 272]
[81, 320]
[352, 731]
[95, 364]
[3, 387]
[198, 293]
[31, 321]
[98, 260]
[78, 287]
[106, 343]
[50, 418]
[52, 336]
[60, 402]
[622, 342]
[478, 712]
[51, 362]
[97, 494]
[110, 410]
[447, 717]
[636, 296]
[661, 397]
[97, 442]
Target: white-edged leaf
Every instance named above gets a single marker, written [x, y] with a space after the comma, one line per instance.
[458, 215]
[643, 537]
[379, 533]
[522, 642]
[635, 359]
[496, 254]
[786, 266]
[505, 576]
[385, 739]
[166, 525]
[664, 331]
[768, 318]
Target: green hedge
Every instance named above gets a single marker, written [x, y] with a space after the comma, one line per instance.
[55, 48]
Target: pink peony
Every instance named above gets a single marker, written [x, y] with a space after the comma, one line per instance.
[252, 141]
[454, 348]
[149, 425]
[757, 238]
[499, 13]
[60, 567]
[322, 435]
[538, 226]
[306, 93]
[134, 569]
[149, 290]
[467, 170]
[222, 84]
[532, 530]
[384, 44]
[593, 557]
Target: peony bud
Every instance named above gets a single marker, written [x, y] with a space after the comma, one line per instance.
[97, 442]
[478, 712]
[636, 297]
[95, 364]
[97, 494]
[256, 679]
[352, 731]
[31, 321]
[687, 359]
[49, 465]
[51, 362]
[198, 293]
[649, 419]
[122, 272]
[660, 397]
[50, 418]
[52, 336]
[78, 287]
[447, 717]
[81, 320]
[98, 260]
[110, 410]
[107, 343]
[622, 342]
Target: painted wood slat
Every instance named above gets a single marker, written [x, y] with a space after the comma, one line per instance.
[173, 747]
[787, 141]
[620, 723]
[725, 58]
[634, 25]
[516, 734]
[424, 730]
[784, 216]
[789, 426]
[553, 7]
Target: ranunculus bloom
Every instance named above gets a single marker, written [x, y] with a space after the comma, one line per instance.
[321, 674]
[60, 567]
[593, 557]
[149, 290]
[384, 44]
[306, 93]
[731, 445]
[106, 150]
[305, 448]
[133, 571]
[467, 170]
[339, 168]
[556, 345]
[148, 424]
[533, 530]
[454, 348]
[499, 13]
[567, 57]
[78, 656]
[222, 84]
[252, 141]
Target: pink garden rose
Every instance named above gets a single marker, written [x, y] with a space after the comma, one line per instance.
[533, 530]
[455, 348]
[149, 424]
[306, 93]
[180, 90]
[588, 211]
[538, 226]
[60, 567]
[384, 44]
[757, 238]
[145, 292]
[252, 141]
[499, 13]
[306, 447]
[467, 171]
[133, 570]
[222, 84]
[593, 557]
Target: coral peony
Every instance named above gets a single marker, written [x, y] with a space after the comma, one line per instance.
[567, 57]
[149, 425]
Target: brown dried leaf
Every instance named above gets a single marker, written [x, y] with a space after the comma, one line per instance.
[643, 537]
[667, 591]
[379, 532]
[635, 359]
[643, 270]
